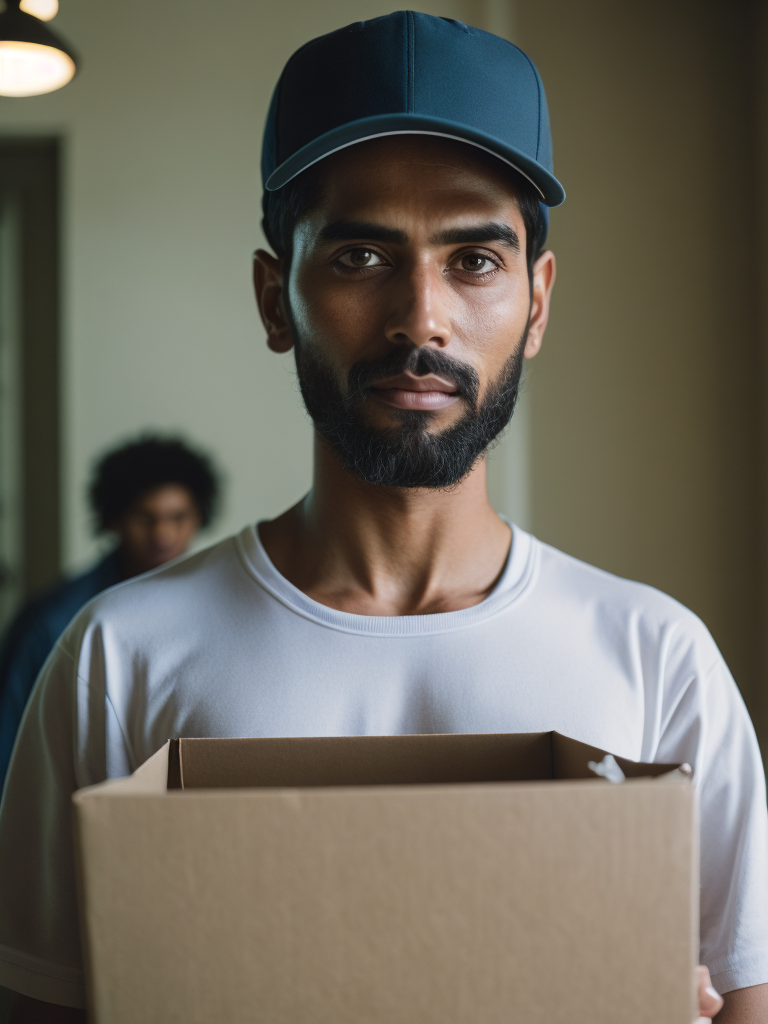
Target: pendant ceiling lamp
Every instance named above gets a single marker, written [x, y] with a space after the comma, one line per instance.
[42, 9]
[33, 60]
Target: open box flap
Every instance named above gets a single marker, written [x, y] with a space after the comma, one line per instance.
[570, 760]
[150, 777]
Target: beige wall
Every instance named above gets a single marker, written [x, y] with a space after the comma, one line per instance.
[646, 400]
[162, 132]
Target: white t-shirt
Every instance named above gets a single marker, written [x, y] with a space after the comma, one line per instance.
[220, 644]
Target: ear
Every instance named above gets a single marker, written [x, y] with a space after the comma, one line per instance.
[544, 273]
[268, 285]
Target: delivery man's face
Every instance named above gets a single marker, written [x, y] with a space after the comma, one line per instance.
[417, 244]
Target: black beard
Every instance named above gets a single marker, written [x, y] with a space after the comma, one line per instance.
[407, 455]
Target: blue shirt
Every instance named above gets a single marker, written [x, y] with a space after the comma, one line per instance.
[31, 638]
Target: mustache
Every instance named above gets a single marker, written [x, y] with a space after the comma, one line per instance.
[418, 361]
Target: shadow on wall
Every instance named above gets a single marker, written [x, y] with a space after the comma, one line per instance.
[647, 400]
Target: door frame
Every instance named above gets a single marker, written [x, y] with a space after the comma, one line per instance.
[30, 172]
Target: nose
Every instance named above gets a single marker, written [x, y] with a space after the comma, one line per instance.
[163, 533]
[420, 317]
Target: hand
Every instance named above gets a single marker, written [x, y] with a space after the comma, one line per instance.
[710, 1002]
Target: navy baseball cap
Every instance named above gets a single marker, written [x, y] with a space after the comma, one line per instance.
[410, 73]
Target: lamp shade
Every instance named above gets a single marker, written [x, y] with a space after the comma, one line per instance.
[33, 59]
[42, 9]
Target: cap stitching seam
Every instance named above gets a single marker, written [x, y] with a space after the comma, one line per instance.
[411, 60]
[278, 119]
[279, 101]
[538, 97]
[279, 96]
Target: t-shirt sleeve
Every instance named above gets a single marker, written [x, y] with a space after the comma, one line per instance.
[69, 738]
[707, 724]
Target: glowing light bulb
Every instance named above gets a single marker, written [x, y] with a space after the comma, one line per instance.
[29, 69]
[42, 9]
[33, 59]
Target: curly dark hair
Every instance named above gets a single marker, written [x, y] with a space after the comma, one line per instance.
[123, 475]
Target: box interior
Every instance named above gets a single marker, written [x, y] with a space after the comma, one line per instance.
[385, 761]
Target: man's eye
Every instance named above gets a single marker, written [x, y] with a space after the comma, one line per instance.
[361, 258]
[476, 263]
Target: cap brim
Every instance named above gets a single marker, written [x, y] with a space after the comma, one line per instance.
[547, 185]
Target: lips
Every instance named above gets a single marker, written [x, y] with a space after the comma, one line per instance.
[407, 382]
[408, 392]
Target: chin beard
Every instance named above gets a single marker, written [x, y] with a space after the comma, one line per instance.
[407, 454]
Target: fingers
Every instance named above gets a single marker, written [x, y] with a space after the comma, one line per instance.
[710, 1001]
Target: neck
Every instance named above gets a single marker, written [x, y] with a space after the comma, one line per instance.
[389, 551]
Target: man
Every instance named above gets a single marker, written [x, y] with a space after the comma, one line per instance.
[406, 164]
[154, 495]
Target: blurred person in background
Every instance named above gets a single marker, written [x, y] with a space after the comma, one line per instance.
[154, 495]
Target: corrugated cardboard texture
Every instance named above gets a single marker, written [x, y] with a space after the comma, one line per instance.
[537, 902]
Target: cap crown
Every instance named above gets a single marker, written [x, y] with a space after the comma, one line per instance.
[409, 71]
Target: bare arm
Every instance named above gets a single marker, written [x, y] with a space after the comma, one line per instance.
[24, 1010]
[745, 1006]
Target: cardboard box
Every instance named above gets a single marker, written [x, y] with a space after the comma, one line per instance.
[389, 880]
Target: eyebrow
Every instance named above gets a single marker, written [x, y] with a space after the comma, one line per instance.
[344, 230]
[492, 231]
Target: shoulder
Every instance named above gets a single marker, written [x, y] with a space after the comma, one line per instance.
[589, 585]
[619, 606]
[180, 592]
